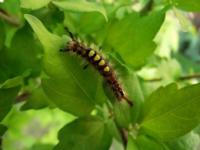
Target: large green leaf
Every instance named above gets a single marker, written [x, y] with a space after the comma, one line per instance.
[81, 6]
[188, 5]
[34, 4]
[133, 36]
[88, 133]
[171, 112]
[70, 87]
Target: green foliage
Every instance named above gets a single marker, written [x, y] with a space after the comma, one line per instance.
[171, 112]
[81, 6]
[132, 34]
[145, 143]
[7, 96]
[32, 4]
[189, 142]
[37, 99]
[191, 5]
[84, 133]
[67, 76]
[155, 63]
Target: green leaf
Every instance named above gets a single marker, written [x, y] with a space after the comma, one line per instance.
[70, 87]
[24, 53]
[143, 142]
[13, 82]
[81, 6]
[2, 129]
[63, 93]
[87, 23]
[8, 93]
[188, 142]
[7, 98]
[48, 40]
[133, 90]
[42, 147]
[173, 69]
[37, 99]
[134, 40]
[113, 131]
[171, 112]
[188, 5]
[122, 113]
[34, 4]
[131, 144]
[88, 133]
[130, 85]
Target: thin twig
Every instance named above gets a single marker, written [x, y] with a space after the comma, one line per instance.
[122, 131]
[188, 77]
[152, 80]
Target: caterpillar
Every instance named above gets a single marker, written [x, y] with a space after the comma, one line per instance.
[94, 58]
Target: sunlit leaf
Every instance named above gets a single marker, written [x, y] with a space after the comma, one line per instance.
[133, 36]
[171, 112]
[188, 5]
[34, 4]
[70, 87]
[81, 6]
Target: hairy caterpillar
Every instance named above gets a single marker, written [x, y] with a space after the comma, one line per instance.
[100, 63]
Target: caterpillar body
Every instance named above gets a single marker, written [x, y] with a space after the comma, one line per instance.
[94, 58]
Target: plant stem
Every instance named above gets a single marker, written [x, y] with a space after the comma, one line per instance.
[188, 77]
[122, 131]
[124, 135]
